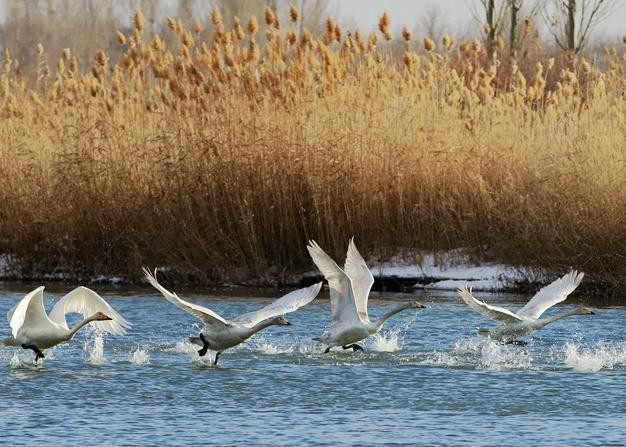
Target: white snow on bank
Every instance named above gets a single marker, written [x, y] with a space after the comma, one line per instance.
[450, 271]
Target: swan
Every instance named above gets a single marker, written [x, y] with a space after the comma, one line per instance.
[349, 290]
[33, 329]
[526, 320]
[220, 334]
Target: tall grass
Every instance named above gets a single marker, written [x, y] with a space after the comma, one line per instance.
[220, 158]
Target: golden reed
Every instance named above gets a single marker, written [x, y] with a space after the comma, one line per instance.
[220, 152]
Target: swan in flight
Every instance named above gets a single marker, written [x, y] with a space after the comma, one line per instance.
[349, 290]
[526, 320]
[33, 329]
[220, 334]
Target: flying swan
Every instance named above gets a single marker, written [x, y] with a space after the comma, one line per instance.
[349, 290]
[526, 320]
[33, 329]
[220, 334]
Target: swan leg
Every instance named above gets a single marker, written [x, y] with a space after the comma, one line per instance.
[354, 347]
[217, 356]
[516, 342]
[36, 350]
[205, 347]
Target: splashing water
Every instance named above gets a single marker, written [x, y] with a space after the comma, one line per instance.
[140, 357]
[593, 359]
[393, 339]
[482, 353]
[386, 342]
[94, 346]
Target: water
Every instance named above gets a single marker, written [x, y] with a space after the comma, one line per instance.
[426, 380]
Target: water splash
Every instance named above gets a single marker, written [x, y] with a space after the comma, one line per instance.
[94, 346]
[595, 358]
[385, 342]
[482, 353]
[184, 347]
[140, 357]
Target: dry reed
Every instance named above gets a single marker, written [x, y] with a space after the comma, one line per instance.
[220, 158]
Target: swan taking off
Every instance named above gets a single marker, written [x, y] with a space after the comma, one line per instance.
[349, 290]
[526, 320]
[220, 334]
[33, 329]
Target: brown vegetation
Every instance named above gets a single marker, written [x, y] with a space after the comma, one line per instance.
[221, 157]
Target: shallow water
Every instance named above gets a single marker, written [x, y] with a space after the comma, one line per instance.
[426, 380]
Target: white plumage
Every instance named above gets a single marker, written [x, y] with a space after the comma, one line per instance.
[32, 328]
[526, 320]
[220, 334]
[349, 291]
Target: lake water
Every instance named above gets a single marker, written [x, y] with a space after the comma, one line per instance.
[426, 380]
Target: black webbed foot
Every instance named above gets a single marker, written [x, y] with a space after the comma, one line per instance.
[354, 347]
[516, 342]
[217, 356]
[36, 350]
[205, 346]
[327, 350]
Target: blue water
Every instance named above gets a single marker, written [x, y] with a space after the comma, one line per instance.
[428, 380]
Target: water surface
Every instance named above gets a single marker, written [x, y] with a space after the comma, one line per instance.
[426, 380]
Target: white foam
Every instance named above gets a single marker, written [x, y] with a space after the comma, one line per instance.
[140, 357]
[388, 341]
[595, 358]
[481, 353]
[94, 346]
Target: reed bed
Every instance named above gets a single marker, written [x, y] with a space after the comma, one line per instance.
[219, 154]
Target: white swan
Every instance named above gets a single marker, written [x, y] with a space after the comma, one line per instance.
[349, 290]
[526, 320]
[220, 334]
[33, 329]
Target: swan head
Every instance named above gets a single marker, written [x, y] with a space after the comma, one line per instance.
[416, 305]
[585, 311]
[101, 316]
[282, 321]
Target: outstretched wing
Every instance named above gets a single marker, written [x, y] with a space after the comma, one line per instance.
[551, 294]
[362, 279]
[86, 302]
[342, 301]
[288, 303]
[493, 312]
[29, 312]
[207, 316]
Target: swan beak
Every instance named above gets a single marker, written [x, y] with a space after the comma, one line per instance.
[288, 323]
[591, 312]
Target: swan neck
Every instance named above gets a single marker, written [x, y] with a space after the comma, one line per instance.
[557, 317]
[391, 313]
[262, 325]
[79, 325]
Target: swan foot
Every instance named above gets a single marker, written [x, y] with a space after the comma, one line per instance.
[36, 350]
[217, 356]
[516, 342]
[354, 347]
[327, 350]
[205, 347]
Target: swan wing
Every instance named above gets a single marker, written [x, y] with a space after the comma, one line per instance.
[362, 278]
[86, 302]
[550, 295]
[288, 303]
[493, 312]
[342, 301]
[207, 316]
[30, 313]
